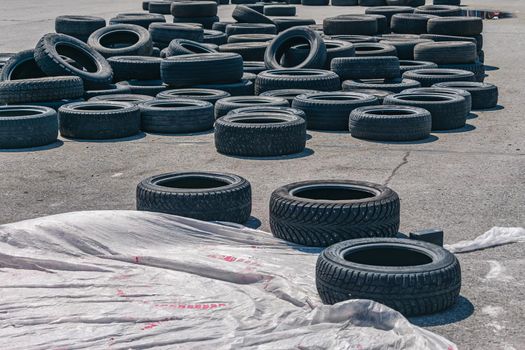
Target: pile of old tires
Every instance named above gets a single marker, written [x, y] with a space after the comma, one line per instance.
[395, 73]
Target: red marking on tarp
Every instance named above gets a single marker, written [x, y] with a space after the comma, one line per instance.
[150, 326]
[229, 258]
[136, 259]
[121, 293]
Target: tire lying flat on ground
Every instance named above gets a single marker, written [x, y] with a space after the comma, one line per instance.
[406, 65]
[321, 213]
[484, 95]
[309, 79]
[392, 85]
[195, 69]
[430, 76]
[287, 94]
[99, 120]
[208, 95]
[461, 25]
[330, 110]
[448, 111]
[27, 126]
[390, 123]
[441, 90]
[177, 116]
[366, 67]
[80, 27]
[135, 67]
[446, 52]
[412, 277]
[223, 106]
[260, 134]
[129, 98]
[201, 196]
[40, 89]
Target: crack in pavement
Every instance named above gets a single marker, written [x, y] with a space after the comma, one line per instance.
[393, 173]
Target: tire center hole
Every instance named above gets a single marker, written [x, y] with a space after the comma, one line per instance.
[8, 112]
[387, 256]
[334, 193]
[119, 39]
[82, 59]
[196, 182]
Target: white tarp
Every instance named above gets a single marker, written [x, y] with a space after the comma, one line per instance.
[138, 280]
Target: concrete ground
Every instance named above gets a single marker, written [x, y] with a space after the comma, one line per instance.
[464, 181]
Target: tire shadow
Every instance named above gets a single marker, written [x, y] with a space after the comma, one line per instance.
[56, 144]
[430, 139]
[472, 116]
[197, 133]
[466, 128]
[306, 153]
[138, 136]
[496, 108]
[490, 68]
[460, 311]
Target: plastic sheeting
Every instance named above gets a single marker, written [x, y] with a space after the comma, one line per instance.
[138, 280]
[493, 237]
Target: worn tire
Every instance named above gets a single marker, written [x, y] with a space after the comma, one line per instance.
[392, 85]
[330, 110]
[287, 94]
[21, 65]
[404, 47]
[390, 123]
[322, 213]
[476, 67]
[250, 28]
[284, 41]
[164, 33]
[430, 76]
[242, 87]
[195, 69]
[439, 10]
[80, 27]
[350, 24]
[447, 110]
[374, 49]
[244, 14]
[129, 98]
[201, 196]
[135, 67]
[439, 90]
[27, 126]
[140, 18]
[144, 87]
[309, 79]
[484, 95]
[214, 37]
[419, 277]
[176, 116]
[253, 51]
[334, 48]
[53, 63]
[406, 65]
[40, 89]
[250, 38]
[225, 105]
[121, 40]
[410, 23]
[208, 95]
[366, 67]
[179, 47]
[446, 52]
[279, 10]
[460, 25]
[260, 134]
[190, 9]
[286, 23]
[99, 120]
